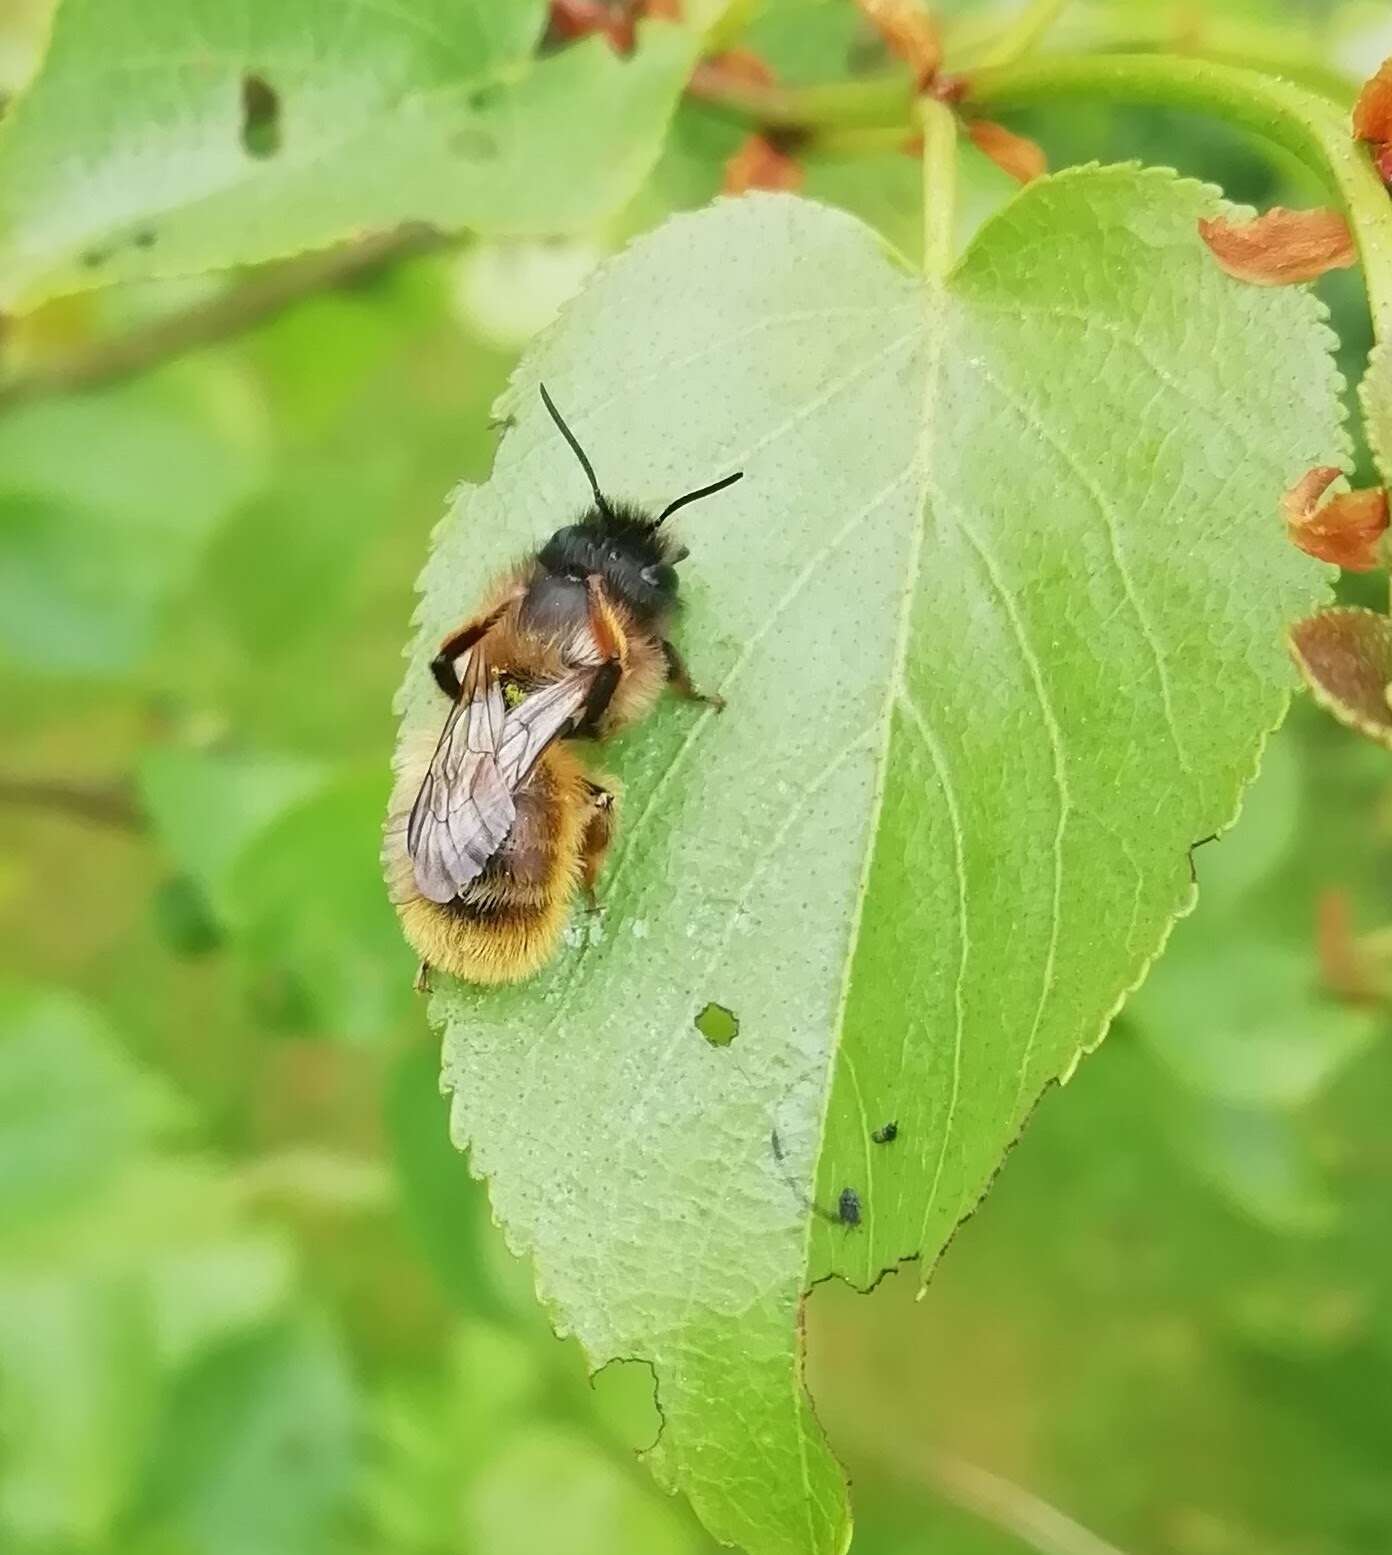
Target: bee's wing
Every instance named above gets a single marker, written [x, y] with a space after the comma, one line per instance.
[537, 720]
[465, 809]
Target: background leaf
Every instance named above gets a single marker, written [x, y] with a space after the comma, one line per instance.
[74, 1109]
[260, 1447]
[91, 547]
[163, 140]
[969, 844]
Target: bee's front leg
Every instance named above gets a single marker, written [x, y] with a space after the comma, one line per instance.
[457, 643]
[679, 678]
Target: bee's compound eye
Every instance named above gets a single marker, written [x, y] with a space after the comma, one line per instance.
[661, 577]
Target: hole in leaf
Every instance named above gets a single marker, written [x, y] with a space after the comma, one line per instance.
[260, 117]
[718, 1025]
[626, 1400]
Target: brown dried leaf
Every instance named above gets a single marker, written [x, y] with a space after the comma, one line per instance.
[1345, 657]
[1022, 158]
[1347, 530]
[1303, 498]
[910, 31]
[741, 65]
[1282, 247]
[1372, 115]
[1343, 964]
[1382, 160]
[760, 164]
[580, 18]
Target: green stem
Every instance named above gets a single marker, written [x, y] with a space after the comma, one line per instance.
[939, 126]
[1306, 124]
[883, 99]
[1021, 35]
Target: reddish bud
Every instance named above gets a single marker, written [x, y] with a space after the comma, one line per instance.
[1372, 115]
[740, 65]
[1282, 247]
[1382, 160]
[1343, 965]
[1347, 530]
[581, 18]
[910, 32]
[761, 164]
[1023, 159]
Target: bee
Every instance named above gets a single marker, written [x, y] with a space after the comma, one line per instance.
[491, 834]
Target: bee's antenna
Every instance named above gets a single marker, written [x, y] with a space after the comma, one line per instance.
[601, 502]
[695, 496]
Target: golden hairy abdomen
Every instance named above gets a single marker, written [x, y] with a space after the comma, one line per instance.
[508, 923]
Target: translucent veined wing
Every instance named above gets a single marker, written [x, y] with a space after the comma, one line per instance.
[465, 811]
[538, 719]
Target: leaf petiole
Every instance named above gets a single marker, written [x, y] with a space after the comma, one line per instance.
[939, 125]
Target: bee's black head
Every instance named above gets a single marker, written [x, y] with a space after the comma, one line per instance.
[624, 545]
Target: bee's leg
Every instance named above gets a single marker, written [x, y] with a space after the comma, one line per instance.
[599, 833]
[679, 678]
[422, 982]
[613, 645]
[600, 695]
[442, 665]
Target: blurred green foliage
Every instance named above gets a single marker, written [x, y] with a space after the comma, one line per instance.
[250, 1300]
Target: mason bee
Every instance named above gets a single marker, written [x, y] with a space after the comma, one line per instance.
[490, 835]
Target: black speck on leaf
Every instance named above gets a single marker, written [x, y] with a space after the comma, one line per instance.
[260, 117]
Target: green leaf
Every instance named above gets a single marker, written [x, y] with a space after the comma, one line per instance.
[1375, 394]
[258, 1451]
[78, 1393]
[106, 502]
[1240, 1018]
[74, 1108]
[998, 613]
[310, 902]
[439, 1201]
[246, 790]
[591, 1507]
[1259, 1161]
[160, 140]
